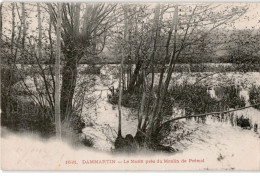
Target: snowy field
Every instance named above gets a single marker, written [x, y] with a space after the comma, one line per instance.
[221, 145]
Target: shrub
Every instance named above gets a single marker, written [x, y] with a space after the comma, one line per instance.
[192, 98]
[229, 97]
[29, 117]
[88, 141]
[196, 100]
[243, 122]
[254, 96]
[128, 100]
[77, 123]
[91, 69]
[24, 114]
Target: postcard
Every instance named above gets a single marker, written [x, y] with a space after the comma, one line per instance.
[130, 86]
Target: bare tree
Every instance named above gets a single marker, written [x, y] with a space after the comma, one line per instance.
[57, 75]
[9, 63]
[77, 42]
[24, 35]
[1, 44]
[189, 25]
[120, 86]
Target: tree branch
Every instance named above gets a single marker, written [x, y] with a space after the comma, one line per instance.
[210, 113]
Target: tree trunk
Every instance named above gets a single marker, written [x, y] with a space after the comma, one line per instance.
[133, 79]
[9, 63]
[40, 32]
[119, 135]
[57, 76]
[143, 101]
[1, 30]
[69, 76]
[69, 73]
[23, 38]
[121, 76]
[155, 120]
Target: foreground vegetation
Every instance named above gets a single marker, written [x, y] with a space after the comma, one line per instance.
[49, 96]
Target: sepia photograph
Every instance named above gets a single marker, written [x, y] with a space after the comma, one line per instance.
[130, 86]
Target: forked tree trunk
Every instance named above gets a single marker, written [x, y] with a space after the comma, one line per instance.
[155, 120]
[69, 73]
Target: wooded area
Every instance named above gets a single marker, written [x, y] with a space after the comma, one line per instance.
[44, 47]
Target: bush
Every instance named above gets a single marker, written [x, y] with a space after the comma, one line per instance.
[254, 96]
[24, 114]
[91, 69]
[229, 97]
[88, 141]
[245, 63]
[196, 100]
[128, 100]
[77, 123]
[192, 98]
[29, 117]
[243, 122]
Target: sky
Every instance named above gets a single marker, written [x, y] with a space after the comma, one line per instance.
[250, 20]
[253, 19]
